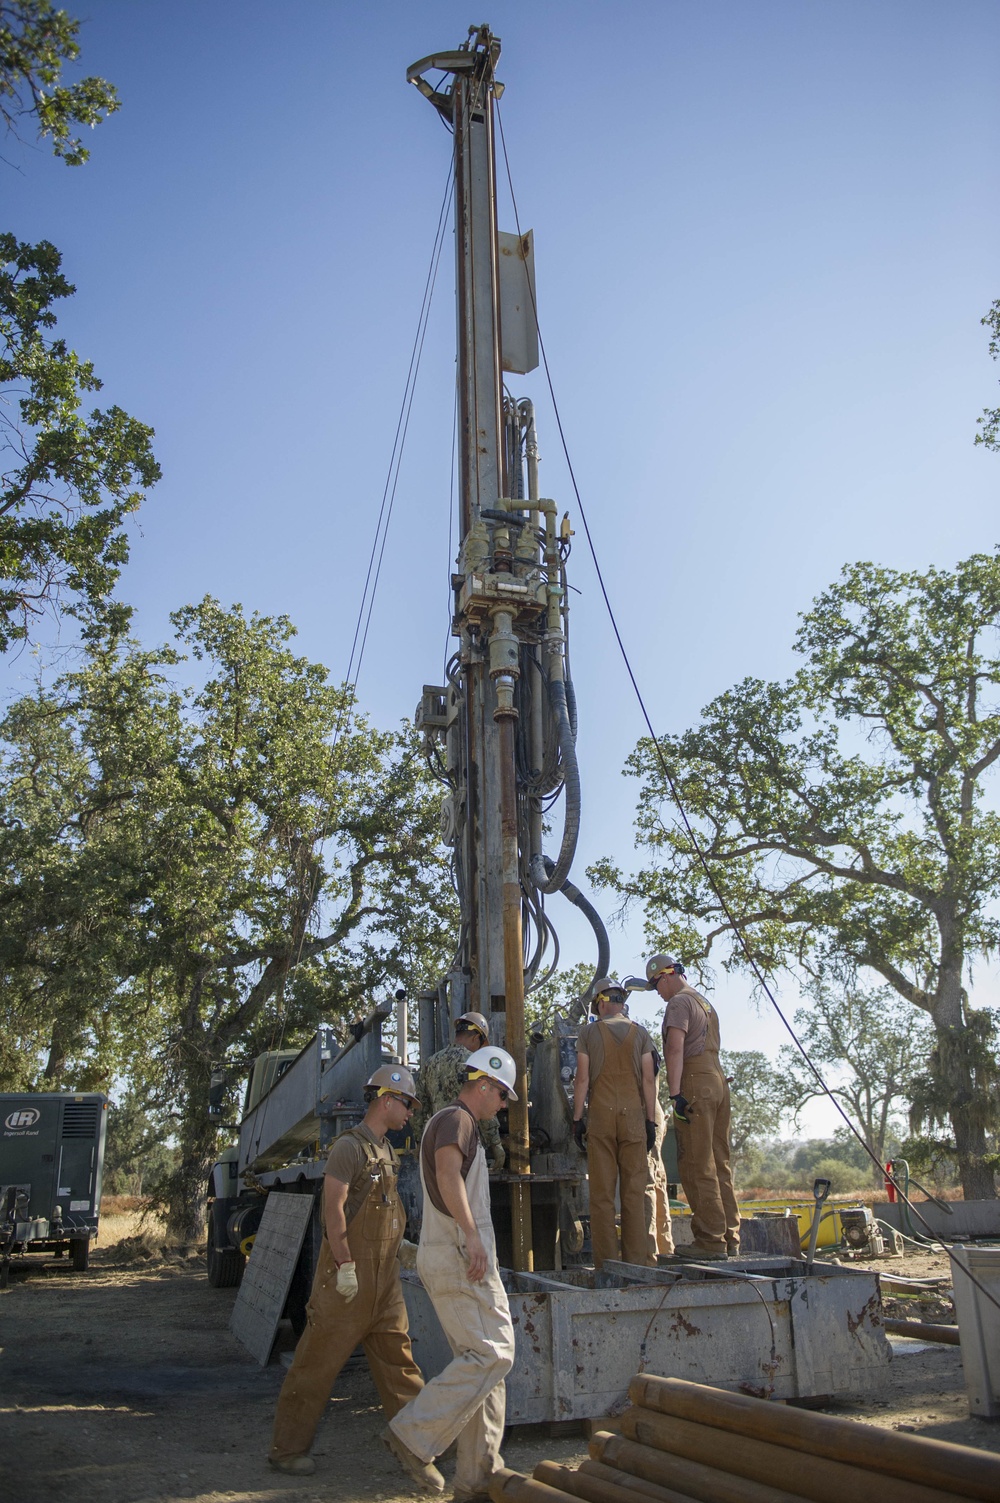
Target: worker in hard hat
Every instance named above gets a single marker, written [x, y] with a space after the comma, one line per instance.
[457, 1263]
[615, 1081]
[699, 1094]
[443, 1076]
[356, 1295]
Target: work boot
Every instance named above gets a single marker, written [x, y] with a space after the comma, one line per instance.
[424, 1473]
[692, 1254]
[297, 1466]
[732, 1249]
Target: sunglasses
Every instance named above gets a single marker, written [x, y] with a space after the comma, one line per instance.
[395, 1096]
[504, 1093]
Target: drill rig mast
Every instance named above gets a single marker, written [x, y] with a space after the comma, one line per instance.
[501, 733]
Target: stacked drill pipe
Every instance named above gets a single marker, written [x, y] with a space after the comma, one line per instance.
[683, 1442]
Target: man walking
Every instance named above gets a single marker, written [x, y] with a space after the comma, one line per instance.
[614, 1077]
[356, 1294]
[700, 1095]
[457, 1264]
[443, 1076]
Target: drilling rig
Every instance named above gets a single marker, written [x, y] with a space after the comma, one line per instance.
[501, 733]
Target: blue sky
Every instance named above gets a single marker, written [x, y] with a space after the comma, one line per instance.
[765, 235]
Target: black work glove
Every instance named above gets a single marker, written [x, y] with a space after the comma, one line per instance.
[650, 1136]
[680, 1107]
[580, 1134]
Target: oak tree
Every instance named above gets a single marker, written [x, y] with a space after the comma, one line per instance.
[845, 816]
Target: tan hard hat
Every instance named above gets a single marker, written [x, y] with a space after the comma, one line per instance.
[474, 1020]
[659, 965]
[394, 1079]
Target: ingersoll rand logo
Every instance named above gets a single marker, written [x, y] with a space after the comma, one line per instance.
[25, 1116]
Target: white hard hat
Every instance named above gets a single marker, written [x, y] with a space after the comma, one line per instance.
[496, 1064]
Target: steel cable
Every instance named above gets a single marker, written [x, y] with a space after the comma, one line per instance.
[668, 779]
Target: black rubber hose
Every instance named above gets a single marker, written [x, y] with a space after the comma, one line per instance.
[549, 876]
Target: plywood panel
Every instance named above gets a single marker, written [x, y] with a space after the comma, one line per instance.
[269, 1271]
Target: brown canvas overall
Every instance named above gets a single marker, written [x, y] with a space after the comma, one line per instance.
[703, 1147]
[616, 1150]
[376, 1316]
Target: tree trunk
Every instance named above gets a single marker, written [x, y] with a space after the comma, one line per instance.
[198, 1137]
[955, 1063]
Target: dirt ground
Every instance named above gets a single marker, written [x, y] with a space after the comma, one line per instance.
[123, 1385]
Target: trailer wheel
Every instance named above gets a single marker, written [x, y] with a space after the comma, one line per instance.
[80, 1252]
[225, 1264]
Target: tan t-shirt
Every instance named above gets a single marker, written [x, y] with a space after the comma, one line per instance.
[454, 1124]
[687, 1012]
[348, 1162]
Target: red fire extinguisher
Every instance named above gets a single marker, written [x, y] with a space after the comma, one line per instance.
[890, 1188]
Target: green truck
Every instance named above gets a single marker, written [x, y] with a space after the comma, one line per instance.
[51, 1163]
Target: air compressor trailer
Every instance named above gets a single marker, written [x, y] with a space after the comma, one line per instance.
[51, 1166]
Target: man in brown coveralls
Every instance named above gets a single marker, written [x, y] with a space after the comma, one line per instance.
[614, 1076]
[356, 1294]
[700, 1095]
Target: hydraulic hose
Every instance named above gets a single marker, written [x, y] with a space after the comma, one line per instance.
[590, 913]
[549, 876]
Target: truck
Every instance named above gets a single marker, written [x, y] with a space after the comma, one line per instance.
[51, 1167]
[296, 1102]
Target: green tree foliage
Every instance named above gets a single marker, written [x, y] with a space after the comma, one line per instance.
[844, 817]
[758, 1096]
[175, 856]
[876, 1036]
[68, 479]
[990, 420]
[137, 1160]
[36, 40]
[557, 995]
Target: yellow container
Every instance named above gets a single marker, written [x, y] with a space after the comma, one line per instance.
[830, 1234]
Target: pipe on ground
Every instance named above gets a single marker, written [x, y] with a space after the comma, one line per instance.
[815, 1477]
[638, 1487]
[962, 1470]
[513, 1487]
[706, 1483]
[580, 1484]
[947, 1335]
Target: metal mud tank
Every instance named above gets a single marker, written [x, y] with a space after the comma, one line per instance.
[767, 1327]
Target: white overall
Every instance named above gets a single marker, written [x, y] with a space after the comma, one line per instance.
[467, 1399]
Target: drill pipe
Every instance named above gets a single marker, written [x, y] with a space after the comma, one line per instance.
[707, 1483]
[818, 1478]
[936, 1463]
[638, 1486]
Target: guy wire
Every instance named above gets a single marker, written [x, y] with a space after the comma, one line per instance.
[668, 779]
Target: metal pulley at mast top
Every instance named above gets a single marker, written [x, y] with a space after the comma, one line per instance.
[505, 752]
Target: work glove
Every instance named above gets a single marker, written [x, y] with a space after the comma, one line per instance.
[497, 1157]
[580, 1134]
[650, 1136]
[347, 1280]
[407, 1254]
[681, 1106]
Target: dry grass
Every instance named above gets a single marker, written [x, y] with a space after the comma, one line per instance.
[129, 1218]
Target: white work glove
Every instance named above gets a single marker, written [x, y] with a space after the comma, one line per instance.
[347, 1280]
[407, 1254]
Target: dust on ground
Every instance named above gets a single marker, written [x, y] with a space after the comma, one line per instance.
[124, 1385]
